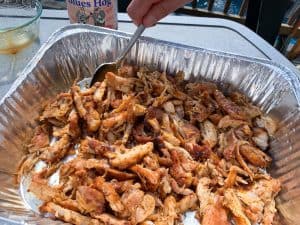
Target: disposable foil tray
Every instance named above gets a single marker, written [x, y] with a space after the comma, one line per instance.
[74, 52]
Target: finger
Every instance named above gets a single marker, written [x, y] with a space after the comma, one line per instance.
[160, 10]
[137, 9]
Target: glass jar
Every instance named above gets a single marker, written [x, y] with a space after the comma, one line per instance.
[19, 36]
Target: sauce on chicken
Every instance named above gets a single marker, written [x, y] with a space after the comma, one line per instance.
[149, 147]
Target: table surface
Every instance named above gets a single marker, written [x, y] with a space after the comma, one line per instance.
[209, 33]
[199, 32]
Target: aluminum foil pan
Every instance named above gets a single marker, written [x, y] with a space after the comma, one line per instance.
[74, 52]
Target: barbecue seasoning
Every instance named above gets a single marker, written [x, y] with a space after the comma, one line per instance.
[148, 147]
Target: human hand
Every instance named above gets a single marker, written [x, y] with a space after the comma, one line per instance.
[149, 12]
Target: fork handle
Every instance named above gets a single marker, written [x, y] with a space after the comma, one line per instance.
[132, 41]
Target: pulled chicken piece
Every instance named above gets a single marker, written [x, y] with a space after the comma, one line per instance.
[138, 205]
[268, 124]
[259, 200]
[56, 112]
[90, 200]
[75, 90]
[119, 83]
[40, 139]
[132, 156]
[110, 194]
[209, 133]
[188, 202]
[57, 151]
[227, 121]
[108, 219]
[195, 111]
[229, 107]
[149, 178]
[168, 214]
[182, 169]
[216, 214]
[93, 146]
[255, 156]
[260, 138]
[232, 202]
[68, 215]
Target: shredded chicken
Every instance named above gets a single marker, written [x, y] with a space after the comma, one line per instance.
[216, 214]
[90, 200]
[68, 216]
[232, 202]
[209, 133]
[110, 194]
[40, 139]
[57, 151]
[260, 138]
[187, 203]
[229, 107]
[255, 156]
[56, 112]
[131, 156]
[109, 219]
[147, 147]
[267, 123]
[148, 177]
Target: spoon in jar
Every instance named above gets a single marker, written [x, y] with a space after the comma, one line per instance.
[101, 70]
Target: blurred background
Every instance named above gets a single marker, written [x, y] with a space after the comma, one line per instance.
[276, 21]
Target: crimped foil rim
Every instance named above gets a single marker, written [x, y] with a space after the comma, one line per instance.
[293, 77]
